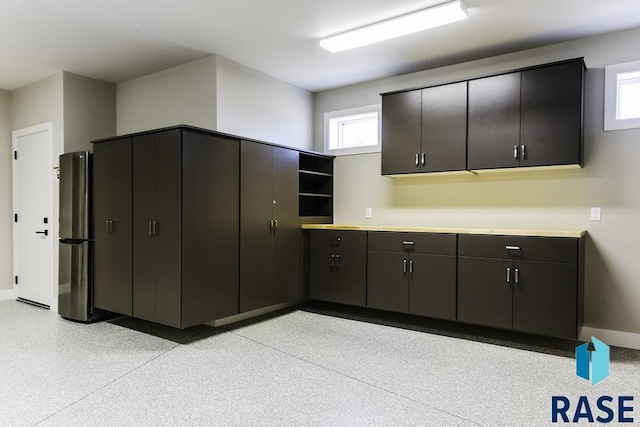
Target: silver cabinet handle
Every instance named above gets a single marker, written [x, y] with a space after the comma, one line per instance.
[512, 248]
[270, 226]
[155, 228]
[333, 260]
[337, 261]
[522, 152]
[509, 275]
[109, 227]
[515, 152]
[405, 266]
[407, 242]
[423, 158]
[150, 228]
[516, 275]
[275, 225]
[411, 267]
[417, 160]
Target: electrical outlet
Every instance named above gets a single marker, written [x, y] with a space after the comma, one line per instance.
[368, 213]
[596, 214]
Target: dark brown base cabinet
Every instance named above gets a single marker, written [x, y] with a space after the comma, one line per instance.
[528, 284]
[412, 273]
[338, 266]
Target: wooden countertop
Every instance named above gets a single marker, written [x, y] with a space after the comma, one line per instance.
[492, 231]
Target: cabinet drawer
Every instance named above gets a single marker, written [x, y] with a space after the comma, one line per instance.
[424, 243]
[548, 249]
[338, 239]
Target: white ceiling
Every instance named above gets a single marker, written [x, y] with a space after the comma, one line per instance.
[117, 40]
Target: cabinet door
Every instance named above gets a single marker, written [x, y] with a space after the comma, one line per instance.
[122, 232]
[256, 208]
[432, 286]
[103, 241]
[210, 227]
[113, 243]
[401, 129]
[322, 284]
[168, 231]
[552, 115]
[484, 294]
[287, 237]
[444, 127]
[387, 287]
[545, 298]
[494, 122]
[351, 275]
[144, 248]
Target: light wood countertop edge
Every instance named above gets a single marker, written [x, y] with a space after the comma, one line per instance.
[490, 231]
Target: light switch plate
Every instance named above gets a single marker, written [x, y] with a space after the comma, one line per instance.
[368, 213]
[596, 214]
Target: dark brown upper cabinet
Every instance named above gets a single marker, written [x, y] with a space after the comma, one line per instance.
[271, 238]
[425, 130]
[527, 118]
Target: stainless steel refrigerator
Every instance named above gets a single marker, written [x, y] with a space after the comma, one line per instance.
[75, 285]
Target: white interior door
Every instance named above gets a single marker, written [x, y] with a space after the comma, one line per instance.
[33, 204]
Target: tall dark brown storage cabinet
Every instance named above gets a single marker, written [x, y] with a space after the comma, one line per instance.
[113, 267]
[185, 188]
[270, 238]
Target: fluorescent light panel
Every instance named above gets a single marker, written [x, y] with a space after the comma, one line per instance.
[399, 26]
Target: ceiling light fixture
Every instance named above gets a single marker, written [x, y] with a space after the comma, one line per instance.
[434, 16]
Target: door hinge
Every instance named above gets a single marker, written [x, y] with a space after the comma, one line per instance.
[16, 280]
[15, 217]
[15, 155]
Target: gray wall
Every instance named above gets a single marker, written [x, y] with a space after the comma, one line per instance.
[34, 104]
[89, 111]
[523, 199]
[255, 105]
[180, 95]
[6, 227]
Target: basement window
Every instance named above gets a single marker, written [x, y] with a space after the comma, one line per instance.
[622, 96]
[352, 131]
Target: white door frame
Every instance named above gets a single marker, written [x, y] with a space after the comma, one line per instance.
[15, 135]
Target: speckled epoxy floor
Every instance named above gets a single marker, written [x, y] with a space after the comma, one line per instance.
[320, 365]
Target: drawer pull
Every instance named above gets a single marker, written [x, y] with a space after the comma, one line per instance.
[508, 275]
[512, 248]
[335, 242]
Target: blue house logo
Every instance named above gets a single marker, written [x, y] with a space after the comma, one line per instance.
[592, 361]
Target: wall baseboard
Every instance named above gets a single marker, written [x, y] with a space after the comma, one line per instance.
[611, 337]
[6, 294]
